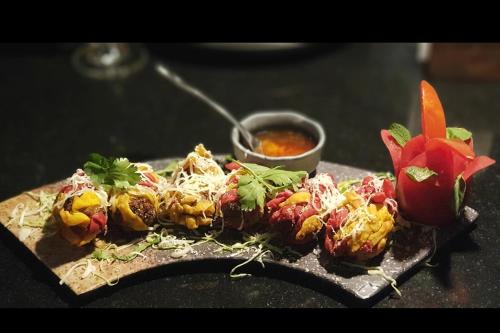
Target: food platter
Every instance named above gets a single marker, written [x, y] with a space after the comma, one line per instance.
[355, 230]
[402, 257]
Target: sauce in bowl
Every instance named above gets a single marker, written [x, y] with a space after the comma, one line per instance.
[284, 142]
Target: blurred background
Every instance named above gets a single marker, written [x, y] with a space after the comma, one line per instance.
[60, 102]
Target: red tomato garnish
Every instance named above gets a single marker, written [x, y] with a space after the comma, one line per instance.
[147, 184]
[152, 177]
[66, 188]
[394, 149]
[431, 201]
[412, 149]
[477, 164]
[378, 197]
[232, 166]
[433, 121]
[459, 146]
[97, 222]
[388, 189]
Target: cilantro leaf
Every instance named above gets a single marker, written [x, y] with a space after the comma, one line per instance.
[283, 178]
[252, 194]
[122, 184]
[111, 172]
[261, 181]
[255, 168]
[419, 174]
[97, 163]
[400, 133]
[458, 133]
[120, 163]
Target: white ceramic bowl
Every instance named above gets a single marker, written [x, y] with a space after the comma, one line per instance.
[266, 119]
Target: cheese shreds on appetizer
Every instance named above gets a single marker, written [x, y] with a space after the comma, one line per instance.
[250, 187]
[358, 215]
[192, 194]
[360, 226]
[294, 217]
[232, 214]
[325, 195]
[132, 189]
[80, 209]
[299, 216]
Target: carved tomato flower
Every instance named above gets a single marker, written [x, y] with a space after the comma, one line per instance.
[433, 169]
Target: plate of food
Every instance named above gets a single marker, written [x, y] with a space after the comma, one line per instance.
[357, 230]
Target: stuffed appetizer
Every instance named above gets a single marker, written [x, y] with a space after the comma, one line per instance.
[81, 209]
[192, 194]
[361, 225]
[136, 207]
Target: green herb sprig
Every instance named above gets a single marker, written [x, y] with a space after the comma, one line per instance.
[419, 174]
[458, 133]
[111, 173]
[261, 181]
[400, 133]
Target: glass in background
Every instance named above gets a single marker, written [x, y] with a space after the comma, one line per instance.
[110, 60]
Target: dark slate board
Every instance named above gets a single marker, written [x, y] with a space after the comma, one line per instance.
[410, 248]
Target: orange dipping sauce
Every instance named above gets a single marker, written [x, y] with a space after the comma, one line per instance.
[278, 142]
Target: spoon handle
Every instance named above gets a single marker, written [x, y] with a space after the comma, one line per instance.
[167, 73]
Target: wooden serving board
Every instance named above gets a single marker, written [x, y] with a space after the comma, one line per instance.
[410, 248]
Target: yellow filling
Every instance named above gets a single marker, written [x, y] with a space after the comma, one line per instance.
[353, 199]
[131, 220]
[311, 225]
[299, 197]
[87, 199]
[192, 212]
[75, 216]
[378, 223]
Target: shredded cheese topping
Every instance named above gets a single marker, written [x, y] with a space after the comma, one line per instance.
[80, 183]
[359, 217]
[198, 176]
[377, 183]
[323, 187]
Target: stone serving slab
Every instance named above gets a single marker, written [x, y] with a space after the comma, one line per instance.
[410, 248]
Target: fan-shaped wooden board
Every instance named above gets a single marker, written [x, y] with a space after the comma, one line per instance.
[409, 248]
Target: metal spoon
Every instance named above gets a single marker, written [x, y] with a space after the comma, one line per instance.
[249, 139]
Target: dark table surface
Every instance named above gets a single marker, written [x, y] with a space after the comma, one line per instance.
[52, 118]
